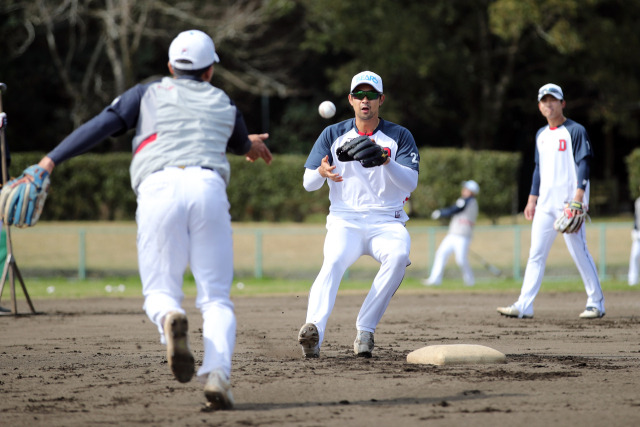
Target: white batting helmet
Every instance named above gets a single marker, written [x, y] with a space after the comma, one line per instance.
[472, 186]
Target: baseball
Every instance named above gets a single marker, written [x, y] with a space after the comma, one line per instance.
[327, 109]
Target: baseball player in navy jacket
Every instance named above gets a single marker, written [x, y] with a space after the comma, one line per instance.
[179, 172]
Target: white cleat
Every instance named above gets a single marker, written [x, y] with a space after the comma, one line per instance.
[511, 311]
[179, 357]
[363, 345]
[308, 337]
[217, 391]
[591, 313]
[428, 282]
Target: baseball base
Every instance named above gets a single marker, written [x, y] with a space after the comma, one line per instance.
[455, 354]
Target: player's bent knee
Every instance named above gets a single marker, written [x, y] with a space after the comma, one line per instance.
[399, 258]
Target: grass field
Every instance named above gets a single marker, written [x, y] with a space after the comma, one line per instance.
[128, 287]
[289, 256]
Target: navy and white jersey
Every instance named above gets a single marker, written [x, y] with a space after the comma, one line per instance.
[366, 190]
[464, 214]
[178, 122]
[559, 150]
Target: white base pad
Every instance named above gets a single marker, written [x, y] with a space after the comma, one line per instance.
[455, 354]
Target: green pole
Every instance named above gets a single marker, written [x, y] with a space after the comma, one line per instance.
[82, 256]
[516, 252]
[258, 267]
[603, 252]
[431, 247]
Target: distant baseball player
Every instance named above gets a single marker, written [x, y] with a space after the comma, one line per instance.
[371, 166]
[179, 172]
[559, 195]
[634, 258]
[463, 214]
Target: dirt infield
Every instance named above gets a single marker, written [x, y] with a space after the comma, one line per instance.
[99, 362]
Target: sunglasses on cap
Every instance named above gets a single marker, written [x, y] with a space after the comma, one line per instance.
[370, 94]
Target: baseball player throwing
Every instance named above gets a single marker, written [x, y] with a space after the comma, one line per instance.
[463, 214]
[179, 172]
[371, 166]
[560, 188]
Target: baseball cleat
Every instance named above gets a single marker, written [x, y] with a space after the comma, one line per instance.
[591, 313]
[217, 391]
[429, 282]
[308, 337]
[511, 311]
[179, 357]
[363, 345]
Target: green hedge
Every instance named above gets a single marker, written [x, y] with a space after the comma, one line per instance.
[633, 167]
[97, 186]
[443, 170]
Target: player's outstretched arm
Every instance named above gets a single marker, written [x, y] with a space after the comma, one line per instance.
[326, 170]
[259, 149]
[47, 164]
[403, 177]
[314, 178]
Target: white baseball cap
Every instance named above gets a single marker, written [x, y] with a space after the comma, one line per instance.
[367, 77]
[472, 186]
[550, 89]
[192, 50]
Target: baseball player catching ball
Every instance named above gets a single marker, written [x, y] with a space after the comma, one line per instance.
[463, 214]
[371, 166]
[559, 195]
[179, 172]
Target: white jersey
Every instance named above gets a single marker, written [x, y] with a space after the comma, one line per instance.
[558, 150]
[366, 190]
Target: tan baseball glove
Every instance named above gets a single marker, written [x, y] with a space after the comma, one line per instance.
[572, 218]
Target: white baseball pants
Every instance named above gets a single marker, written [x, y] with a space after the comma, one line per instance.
[388, 242]
[183, 220]
[634, 261]
[542, 237]
[452, 243]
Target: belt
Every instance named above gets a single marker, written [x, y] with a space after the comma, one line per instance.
[189, 166]
[183, 167]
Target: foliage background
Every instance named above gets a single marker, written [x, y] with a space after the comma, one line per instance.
[458, 74]
[98, 186]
